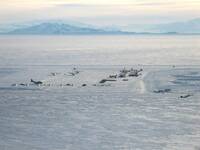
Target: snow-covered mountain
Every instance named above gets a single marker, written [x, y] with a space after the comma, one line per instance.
[70, 27]
[18, 25]
[54, 28]
[58, 28]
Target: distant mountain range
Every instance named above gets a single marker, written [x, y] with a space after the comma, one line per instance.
[58, 27]
[191, 26]
[53, 28]
[187, 27]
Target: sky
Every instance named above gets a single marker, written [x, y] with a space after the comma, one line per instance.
[100, 12]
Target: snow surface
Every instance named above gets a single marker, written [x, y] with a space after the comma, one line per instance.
[119, 115]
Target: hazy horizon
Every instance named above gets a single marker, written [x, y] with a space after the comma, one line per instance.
[96, 12]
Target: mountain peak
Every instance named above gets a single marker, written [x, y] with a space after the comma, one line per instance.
[55, 28]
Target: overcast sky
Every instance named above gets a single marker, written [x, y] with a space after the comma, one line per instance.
[101, 12]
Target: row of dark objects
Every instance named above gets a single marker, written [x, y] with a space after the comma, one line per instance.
[163, 91]
[123, 74]
[112, 78]
[40, 83]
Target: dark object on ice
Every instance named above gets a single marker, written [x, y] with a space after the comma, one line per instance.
[185, 96]
[23, 84]
[124, 70]
[54, 74]
[84, 84]
[112, 76]
[132, 73]
[36, 82]
[122, 75]
[74, 72]
[14, 84]
[105, 80]
[101, 84]
[162, 91]
[125, 80]
[135, 73]
[69, 84]
[140, 70]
